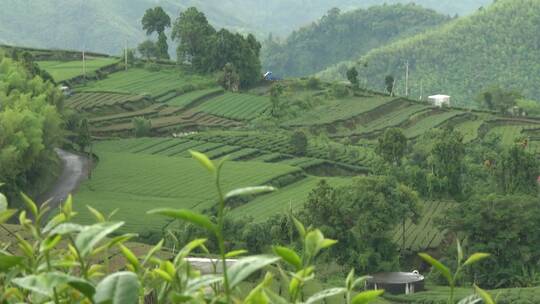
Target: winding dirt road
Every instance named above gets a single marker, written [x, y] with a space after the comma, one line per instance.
[75, 170]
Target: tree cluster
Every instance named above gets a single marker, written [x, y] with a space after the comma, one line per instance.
[30, 124]
[209, 50]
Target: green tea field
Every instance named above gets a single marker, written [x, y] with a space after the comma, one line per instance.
[64, 70]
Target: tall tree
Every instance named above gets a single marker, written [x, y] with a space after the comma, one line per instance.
[194, 34]
[155, 20]
[162, 48]
[229, 78]
[392, 145]
[352, 76]
[389, 84]
[517, 171]
[275, 98]
[148, 49]
[446, 159]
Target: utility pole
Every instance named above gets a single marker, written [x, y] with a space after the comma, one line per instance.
[125, 55]
[84, 63]
[407, 78]
[421, 89]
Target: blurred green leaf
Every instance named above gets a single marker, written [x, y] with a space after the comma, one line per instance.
[44, 283]
[8, 261]
[249, 191]
[66, 228]
[189, 216]
[118, 288]
[204, 161]
[484, 295]
[459, 251]
[202, 282]
[313, 242]
[244, 267]
[367, 296]
[3, 203]
[289, 256]
[299, 226]
[6, 215]
[325, 294]
[235, 253]
[30, 204]
[476, 257]
[130, 256]
[97, 215]
[438, 265]
[84, 287]
[90, 236]
[49, 243]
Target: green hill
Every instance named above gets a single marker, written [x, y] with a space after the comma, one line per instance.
[497, 45]
[105, 26]
[344, 36]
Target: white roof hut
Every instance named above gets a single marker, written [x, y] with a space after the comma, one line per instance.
[439, 100]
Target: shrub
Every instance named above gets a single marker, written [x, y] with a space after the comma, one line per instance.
[141, 126]
[313, 83]
[299, 141]
[339, 90]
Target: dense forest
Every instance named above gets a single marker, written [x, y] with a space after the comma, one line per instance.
[344, 36]
[80, 24]
[30, 124]
[497, 45]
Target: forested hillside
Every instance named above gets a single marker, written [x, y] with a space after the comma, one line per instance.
[498, 45]
[344, 36]
[105, 25]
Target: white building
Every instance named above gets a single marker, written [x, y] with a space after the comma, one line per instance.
[439, 100]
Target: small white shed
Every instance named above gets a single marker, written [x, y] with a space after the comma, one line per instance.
[439, 100]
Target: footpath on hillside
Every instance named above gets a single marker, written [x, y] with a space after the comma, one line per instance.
[75, 169]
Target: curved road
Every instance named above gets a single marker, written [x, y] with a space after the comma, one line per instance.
[75, 170]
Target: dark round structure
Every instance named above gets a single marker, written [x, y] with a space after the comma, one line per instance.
[397, 282]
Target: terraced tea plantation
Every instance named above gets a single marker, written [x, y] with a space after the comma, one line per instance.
[290, 197]
[64, 70]
[134, 183]
[142, 81]
[236, 106]
[90, 101]
[424, 234]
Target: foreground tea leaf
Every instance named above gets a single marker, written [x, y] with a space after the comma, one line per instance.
[188, 216]
[3, 203]
[249, 191]
[8, 261]
[45, 283]
[476, 257]
[288, 256]
[484, 295]
[325, 294]
[90, 236]
[438, 265]
[244, 267]
[366, 296]
[118, 288]
[204, 161]
[6, 215]
[204, 281]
